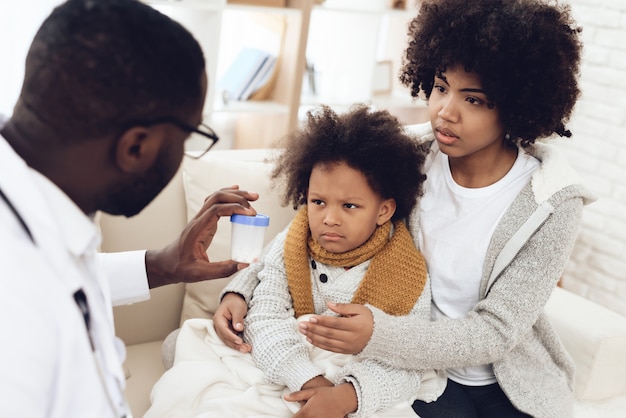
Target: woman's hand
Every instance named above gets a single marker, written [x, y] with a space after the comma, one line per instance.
[348, 334]
[228, 321]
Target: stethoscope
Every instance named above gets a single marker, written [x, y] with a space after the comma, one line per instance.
[80, 298]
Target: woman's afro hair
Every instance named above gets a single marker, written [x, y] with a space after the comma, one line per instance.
[526, 53]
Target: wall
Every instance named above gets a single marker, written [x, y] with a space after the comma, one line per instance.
[598, 151]
[19, 21]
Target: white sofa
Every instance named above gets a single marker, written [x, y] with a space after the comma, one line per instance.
[594, 336]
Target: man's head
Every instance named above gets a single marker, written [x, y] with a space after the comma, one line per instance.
[96, 67]
[103, 71]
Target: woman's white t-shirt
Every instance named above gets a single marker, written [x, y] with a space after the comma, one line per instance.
[456, 225]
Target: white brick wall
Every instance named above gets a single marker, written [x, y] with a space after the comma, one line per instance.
[597, 149]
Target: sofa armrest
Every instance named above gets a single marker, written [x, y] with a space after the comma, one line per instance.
[595, 337]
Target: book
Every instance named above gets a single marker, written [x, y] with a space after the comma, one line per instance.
[261, 79]
[242, 72]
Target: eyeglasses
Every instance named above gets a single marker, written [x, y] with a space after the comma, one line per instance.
[196, 145]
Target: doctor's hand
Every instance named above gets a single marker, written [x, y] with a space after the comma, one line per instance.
[185, 259]
[228, 321]
[347, 334]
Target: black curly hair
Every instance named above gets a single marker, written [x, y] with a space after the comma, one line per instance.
[526, 53]
[97, 66]
[370, 141]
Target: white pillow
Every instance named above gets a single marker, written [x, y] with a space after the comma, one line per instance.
[595, 337]
[248, 168]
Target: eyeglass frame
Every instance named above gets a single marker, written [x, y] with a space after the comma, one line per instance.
[209, 133]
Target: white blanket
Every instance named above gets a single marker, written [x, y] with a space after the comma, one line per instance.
[209, 379]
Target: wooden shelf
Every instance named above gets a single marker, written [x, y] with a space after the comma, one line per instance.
[215, 5]
[251, 106]
[281, 108]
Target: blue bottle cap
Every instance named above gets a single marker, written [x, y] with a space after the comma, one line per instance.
[258, 220]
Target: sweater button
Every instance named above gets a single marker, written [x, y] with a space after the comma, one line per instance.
[313, 264]
[323, 278]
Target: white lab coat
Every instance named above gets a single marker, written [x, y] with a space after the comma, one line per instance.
[49, 368]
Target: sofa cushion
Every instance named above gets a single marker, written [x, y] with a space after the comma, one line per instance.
[143, 368]
[250, 169]
[596, 339]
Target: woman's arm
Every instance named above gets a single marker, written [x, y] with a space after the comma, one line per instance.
[497, 323]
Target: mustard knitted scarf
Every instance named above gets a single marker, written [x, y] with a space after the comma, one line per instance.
[394, 279]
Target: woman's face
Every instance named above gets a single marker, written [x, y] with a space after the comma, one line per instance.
[464, 123]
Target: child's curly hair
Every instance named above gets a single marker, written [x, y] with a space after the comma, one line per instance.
[371, 141]
[526, 53]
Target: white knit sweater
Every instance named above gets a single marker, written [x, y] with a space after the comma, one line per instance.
[271, 330]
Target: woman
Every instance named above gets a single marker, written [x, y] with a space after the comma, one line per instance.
[499, 216]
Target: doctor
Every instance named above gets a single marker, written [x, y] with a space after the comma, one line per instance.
[112, 90]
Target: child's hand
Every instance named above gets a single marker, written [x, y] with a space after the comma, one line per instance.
[328, 402]
[228, 321]
[317, 382]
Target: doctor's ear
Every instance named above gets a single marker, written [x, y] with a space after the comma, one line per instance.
[137, 148]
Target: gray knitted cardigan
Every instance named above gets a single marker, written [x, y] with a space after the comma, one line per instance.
[508, 327]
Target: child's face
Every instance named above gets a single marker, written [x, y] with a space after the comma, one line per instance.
[463, 122]
[343, 210]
